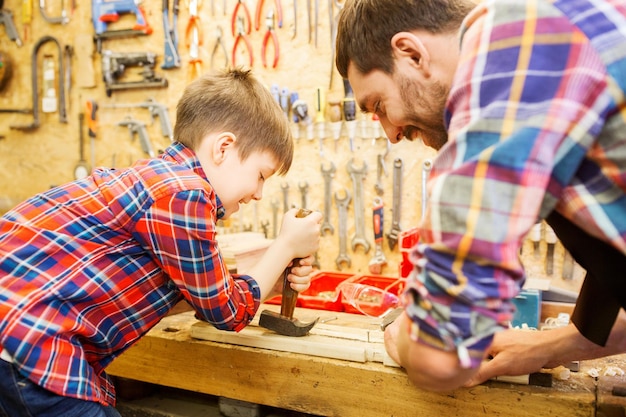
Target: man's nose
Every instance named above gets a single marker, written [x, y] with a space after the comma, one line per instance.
[394, 134]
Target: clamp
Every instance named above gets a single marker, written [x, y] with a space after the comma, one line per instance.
[241, 36]
[270, 34]
[171, 55]
[259, 10]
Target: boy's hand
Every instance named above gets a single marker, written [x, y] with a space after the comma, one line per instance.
[301, 235]
[300, 276]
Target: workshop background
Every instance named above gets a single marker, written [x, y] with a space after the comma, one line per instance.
[68, 104]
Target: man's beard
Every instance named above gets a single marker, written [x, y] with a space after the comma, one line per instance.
[431, 101]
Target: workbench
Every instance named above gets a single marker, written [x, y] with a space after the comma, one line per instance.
[170, 356]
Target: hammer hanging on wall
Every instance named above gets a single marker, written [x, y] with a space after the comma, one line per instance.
[35, 87]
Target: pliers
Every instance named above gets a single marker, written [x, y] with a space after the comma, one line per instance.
[259, 11]
[270, 34]
[241, 36]
[234, 20]
[219, 44]
[193, 36]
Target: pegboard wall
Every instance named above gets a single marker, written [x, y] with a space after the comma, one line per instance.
[35, 159]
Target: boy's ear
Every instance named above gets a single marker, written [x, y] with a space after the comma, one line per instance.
[407, 45]
[223, 143]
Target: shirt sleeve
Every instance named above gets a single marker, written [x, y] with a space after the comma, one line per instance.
[180, 230]
[526, 103]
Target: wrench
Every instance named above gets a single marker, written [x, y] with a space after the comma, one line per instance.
[380, 170]
[426, 167]
[342, 207]
[358, 177]
[274, 217]
[328, 175]
[303, 187]
[378, 260]
[285, 187]
[392, 236]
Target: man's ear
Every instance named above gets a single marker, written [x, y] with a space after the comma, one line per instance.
[224, 143]
[406, 45]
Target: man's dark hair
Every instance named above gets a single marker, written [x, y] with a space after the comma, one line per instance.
[366, 27]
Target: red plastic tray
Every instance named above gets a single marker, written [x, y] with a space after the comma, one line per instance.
[322, 294]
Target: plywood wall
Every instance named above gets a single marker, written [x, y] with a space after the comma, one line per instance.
[33, 161]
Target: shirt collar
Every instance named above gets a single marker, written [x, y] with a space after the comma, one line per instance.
[182, 155]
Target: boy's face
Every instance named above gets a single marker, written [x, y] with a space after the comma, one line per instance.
[234, 181]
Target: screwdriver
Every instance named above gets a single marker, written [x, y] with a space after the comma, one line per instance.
[349, 111]
[91, 109]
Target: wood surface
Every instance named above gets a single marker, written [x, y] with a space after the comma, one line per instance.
[169, 356]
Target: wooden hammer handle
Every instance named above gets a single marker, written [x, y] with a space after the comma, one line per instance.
[290, 296]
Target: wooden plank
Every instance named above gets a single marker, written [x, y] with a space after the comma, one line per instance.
[169, 356]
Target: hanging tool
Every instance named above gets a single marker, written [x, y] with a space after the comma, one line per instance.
[35, 88]
[334, 111]
[193, 37]
[328, 174]
[551, 239]
[62, 19]
[284, 323]
[91, 109]
[358, 179]
[349, 111]
[378, 261]
[392, 236]
[115, 63]
[104, 12]
[342, 213]
[270, 34]
[49, 99]
[333, 20]
[219, 45]
[171, 57]
[320, 117]
[295, 19]
[6, 69]
[139, 128]
[81, 170]
[300, 113]
[427, 165]
[6, 19]
[27, 16]
[240, 24]
[156, 109]
[259, 11]
[242, 37]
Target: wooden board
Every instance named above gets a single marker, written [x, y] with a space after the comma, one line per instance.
[324, 340]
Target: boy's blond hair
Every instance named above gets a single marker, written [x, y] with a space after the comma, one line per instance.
[233, 100]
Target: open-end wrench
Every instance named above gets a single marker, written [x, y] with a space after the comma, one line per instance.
[378, 260]
[303, 187]
[380, 170]
[426, 167]
[358, 177]
[392, 236]
[328, 174]
[342, 208]
[274, 218]
[285, 188]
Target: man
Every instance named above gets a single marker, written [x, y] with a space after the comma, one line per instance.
[525, 102]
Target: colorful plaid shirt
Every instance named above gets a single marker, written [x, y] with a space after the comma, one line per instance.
[88, 268]
[537, 122]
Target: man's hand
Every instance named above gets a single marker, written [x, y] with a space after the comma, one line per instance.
[516, 352]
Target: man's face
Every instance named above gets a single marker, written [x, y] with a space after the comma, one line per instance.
[407, 108]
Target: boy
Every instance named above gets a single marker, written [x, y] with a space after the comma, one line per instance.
[87, 268]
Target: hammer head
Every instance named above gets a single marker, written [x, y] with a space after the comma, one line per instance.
[284, 325]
